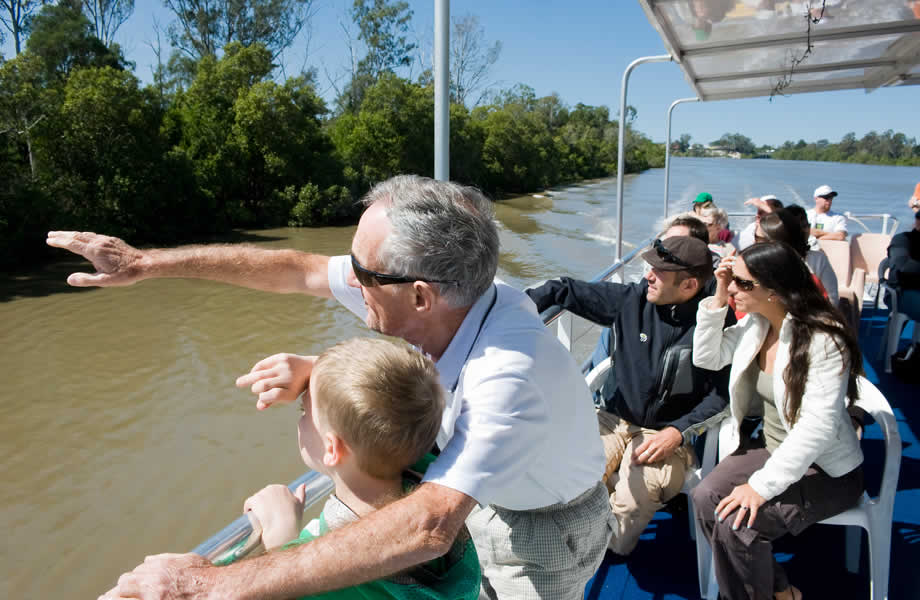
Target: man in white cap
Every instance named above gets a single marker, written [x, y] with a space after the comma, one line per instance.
[825, 223]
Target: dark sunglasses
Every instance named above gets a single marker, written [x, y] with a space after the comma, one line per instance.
[744, 284]
[668, 256]
[369, 278]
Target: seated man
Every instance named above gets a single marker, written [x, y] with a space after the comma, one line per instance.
[372, 408]
[825, 223]
[660, 399]
[904, 256]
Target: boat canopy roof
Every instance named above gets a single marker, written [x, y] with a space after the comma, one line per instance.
[747, 48]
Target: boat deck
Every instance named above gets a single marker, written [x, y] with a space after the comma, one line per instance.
[663, 565]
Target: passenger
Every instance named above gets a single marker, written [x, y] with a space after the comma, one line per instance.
[764, 205]
[372, 408]
[684, 224]
[904, 257]
[716, 221]
[914, 202]
[796, 361]
[825, 223]
[815, 258]
[520, 457]
[702, 200]
[783, 226]
[659, 400]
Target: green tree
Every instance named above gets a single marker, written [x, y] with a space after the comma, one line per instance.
[63, 38]
[204, 27]
[382, 27]
[15, 17]
[471, 57]
[107, 16]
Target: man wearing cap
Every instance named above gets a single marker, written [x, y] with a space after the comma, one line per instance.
[660, 400]
[825, 223]
[702, 200]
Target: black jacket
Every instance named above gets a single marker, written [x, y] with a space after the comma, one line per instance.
[656, 383]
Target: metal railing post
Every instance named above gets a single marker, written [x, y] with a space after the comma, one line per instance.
[667, 152]
[441, 90]
[621, 142]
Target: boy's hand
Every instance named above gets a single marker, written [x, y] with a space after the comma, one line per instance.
[278, 379]
[279, 511]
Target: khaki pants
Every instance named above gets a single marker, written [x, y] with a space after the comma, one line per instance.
[637, 492]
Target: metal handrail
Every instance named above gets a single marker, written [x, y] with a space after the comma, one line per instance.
[318, 487]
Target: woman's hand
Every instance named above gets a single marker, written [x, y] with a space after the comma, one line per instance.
[723, 275]
[745, 500]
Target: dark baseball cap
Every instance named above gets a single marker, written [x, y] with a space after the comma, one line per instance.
[678, 253]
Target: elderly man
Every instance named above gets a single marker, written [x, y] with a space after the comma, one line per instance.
[520, 461]
[659, 400]
[825, 223]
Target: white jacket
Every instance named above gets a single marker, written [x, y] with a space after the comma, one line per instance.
[822, 434]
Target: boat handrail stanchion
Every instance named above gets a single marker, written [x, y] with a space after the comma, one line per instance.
[621, 141]
[441, 90]
[667, 151]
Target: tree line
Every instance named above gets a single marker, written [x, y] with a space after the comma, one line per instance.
[887, 148]
[220, 140]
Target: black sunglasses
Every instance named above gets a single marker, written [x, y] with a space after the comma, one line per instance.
[668, 256]
[745, 285]
[369, 278]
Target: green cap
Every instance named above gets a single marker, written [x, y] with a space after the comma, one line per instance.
[703, 197]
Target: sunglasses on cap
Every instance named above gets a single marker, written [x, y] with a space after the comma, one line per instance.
[368, 278]
[745, 285]
[668, 256]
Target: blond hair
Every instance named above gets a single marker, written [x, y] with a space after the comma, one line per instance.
[383, 398]
[714, 214]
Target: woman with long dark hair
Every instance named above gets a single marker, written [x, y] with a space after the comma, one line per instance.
[795, 362]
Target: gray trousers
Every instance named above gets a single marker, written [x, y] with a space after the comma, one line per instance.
[743, 559]
[548, 552]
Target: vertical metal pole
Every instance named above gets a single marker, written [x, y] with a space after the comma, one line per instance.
[441, 90]
[667, 152]
[621, 142]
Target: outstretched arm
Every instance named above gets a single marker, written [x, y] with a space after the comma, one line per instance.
[119, 264]
[410, 531]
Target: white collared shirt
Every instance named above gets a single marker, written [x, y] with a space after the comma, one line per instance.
[519, 429]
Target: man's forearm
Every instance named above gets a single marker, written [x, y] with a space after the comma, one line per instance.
[413, 530]
[282, 271]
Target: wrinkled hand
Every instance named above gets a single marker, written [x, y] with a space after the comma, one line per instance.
[163, 577]
[743, 499]
[116, 262]
[279, 511]
[657, 446]
[278, 379]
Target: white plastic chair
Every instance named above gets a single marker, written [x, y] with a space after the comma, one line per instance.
[872, 514]
[595, 379]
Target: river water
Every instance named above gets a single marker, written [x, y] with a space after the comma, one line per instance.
[122, 432]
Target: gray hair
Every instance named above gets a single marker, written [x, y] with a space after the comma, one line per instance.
[441, 230]
[715, 215]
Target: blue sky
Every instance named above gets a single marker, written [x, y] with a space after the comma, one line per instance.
[579, 50]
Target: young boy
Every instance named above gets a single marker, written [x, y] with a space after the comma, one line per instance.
[371, 410]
